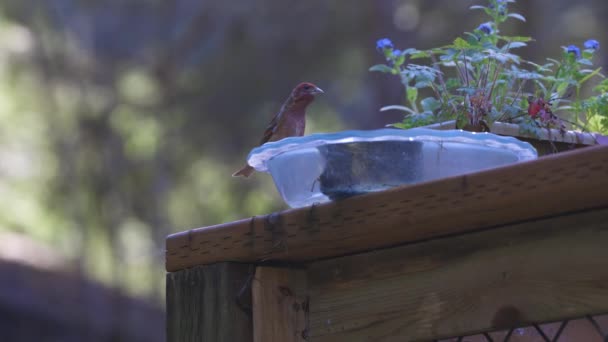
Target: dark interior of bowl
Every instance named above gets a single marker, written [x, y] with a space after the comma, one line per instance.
[362, 167]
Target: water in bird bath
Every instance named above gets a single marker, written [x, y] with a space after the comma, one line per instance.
[446, 159]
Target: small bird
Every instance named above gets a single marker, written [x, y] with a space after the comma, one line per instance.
[290, 121]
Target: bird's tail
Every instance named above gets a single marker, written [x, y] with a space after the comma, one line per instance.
[246, 171]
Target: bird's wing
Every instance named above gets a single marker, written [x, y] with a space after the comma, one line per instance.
[274, 123]
[270, 129]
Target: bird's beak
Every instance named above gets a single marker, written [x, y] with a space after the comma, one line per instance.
[317, 90]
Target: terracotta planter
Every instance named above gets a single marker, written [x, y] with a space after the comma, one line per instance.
[549, 140]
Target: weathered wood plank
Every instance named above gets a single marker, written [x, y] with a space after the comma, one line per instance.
[202, 306]
[539, 271]
[279, 310]
[551, 185]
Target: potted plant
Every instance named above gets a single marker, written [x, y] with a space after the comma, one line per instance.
[479, 83]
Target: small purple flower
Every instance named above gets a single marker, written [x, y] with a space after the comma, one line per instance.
[575, 50]
[485, 28]
[384, 43]
[592, 44]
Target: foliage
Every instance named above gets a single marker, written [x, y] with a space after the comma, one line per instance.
[479, 79]
[124, 127]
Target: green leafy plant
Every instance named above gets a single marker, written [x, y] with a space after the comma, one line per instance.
[478, 79]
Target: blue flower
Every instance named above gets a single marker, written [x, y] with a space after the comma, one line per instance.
[397, 53]
[575, 50]
[485, 28]
[592, 44]
[384, 43]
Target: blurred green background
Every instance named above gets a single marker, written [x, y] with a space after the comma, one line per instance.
[122, 120]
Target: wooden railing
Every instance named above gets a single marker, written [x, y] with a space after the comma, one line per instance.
[498, 249]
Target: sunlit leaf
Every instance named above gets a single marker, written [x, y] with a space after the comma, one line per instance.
[460, 43]
[410, 51]
[430, 104]
[382, 68]
[517, 16]
[584, 61]
[515, 45]
[587, 77]
[396, 107]
[412, 94]
[517, 38]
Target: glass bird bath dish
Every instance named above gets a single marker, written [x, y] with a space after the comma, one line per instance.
[322, 167]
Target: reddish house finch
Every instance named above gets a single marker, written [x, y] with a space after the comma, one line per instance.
[289, 121]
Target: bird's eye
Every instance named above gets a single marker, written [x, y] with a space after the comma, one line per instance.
[307, 87]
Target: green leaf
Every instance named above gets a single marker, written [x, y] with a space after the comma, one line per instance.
[417, 120]
[410, 51]
[477, 7]
[472, 38]
[561, 87]
[584, 61]
[562, 108]
[593, 73]
[452, 83]
[503, 57]
[515, 45]
[400, 125]
[430, 104]
[460, 43]
[423, 84]
[468, 90]
[588, 54]
[412, 94]
[511, 111]
[382, 68]
[396, 107]
[527, 75]
[420, 54]
[517, 16]
[388, 52]
[476, 43]
[398, 60]
[540, 85]
[517, 38]
[540, 68]
[602, 87]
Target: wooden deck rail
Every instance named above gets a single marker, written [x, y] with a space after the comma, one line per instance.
[496, 249]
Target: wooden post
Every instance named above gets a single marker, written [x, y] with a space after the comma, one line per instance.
[280, 311]
[202, 304]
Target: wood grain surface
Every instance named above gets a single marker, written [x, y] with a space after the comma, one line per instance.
[532, 272]
[202, 304]
[566, 182]
[280, 311]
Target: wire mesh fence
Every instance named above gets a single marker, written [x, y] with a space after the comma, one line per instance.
[585, 329]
